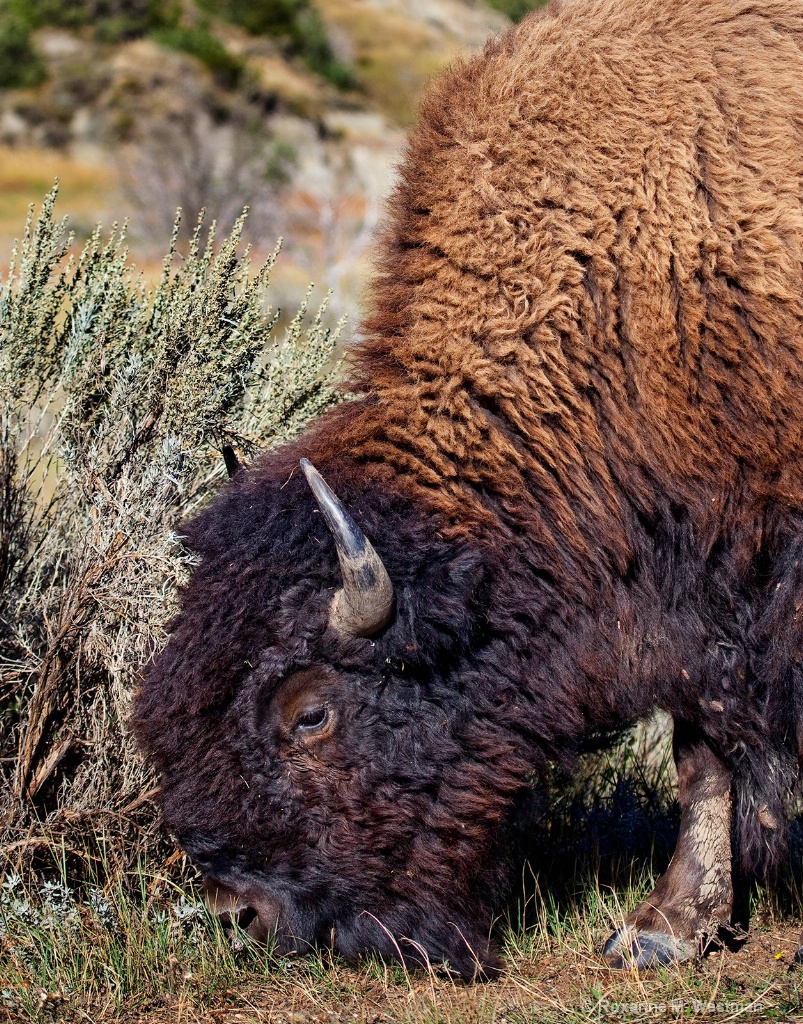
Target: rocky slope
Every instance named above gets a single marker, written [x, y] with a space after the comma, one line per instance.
[310, 160]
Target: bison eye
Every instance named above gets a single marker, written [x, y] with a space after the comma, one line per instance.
[315, 718]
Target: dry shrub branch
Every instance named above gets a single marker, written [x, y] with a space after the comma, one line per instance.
[114, 405]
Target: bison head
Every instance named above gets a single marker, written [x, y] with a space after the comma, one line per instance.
[331, 753]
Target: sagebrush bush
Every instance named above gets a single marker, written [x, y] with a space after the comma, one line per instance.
[115, 403]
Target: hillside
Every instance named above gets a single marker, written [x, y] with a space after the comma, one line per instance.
[187, 107]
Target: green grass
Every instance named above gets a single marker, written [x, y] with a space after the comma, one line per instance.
[144, 948]
[81, 939]
[132, 943]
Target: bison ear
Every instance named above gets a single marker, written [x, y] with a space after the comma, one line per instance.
[365, 602]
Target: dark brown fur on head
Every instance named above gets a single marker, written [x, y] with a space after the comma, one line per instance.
[576, 445]
[379, 823]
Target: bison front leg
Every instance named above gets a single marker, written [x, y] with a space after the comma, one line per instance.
[695, 896]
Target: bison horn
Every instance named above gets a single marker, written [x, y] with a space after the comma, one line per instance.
[364, 604]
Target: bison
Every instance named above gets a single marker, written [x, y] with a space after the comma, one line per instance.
[567, 490]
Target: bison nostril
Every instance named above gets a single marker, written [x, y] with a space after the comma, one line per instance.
[244, 917]
[231, 910]
[236, 925]
[237, 919]
[250, 913]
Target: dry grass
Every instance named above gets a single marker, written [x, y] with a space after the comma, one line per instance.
[146, 951]
[86, 190]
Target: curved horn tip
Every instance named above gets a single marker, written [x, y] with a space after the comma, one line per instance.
[316, 482]
[309, 471]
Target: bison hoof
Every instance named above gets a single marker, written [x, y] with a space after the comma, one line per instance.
[797, 961]
[627, 948]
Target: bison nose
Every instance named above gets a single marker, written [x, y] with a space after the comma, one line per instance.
[242, 909]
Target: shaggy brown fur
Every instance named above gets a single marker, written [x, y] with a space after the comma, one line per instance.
[577, 447]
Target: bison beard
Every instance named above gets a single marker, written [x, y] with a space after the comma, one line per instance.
[575, 444]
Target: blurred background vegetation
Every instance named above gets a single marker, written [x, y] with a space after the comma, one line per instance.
[295, 108]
